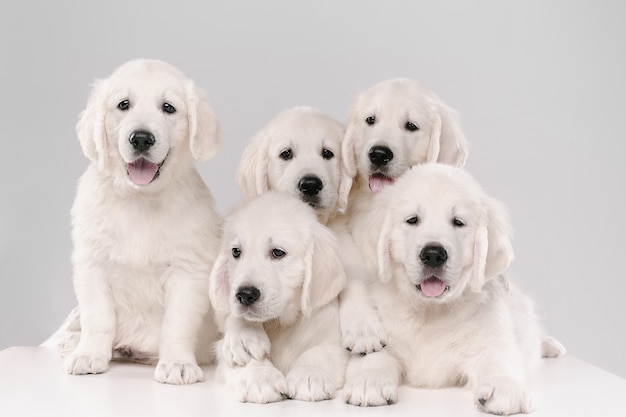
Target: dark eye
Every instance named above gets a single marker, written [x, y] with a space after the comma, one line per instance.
[278, 253]
[123, 105]
[168, 108]
[236, 253]
[327, 154]
[411, 126]
[456, 222]
[412, 220]
[370, 120]
[286, 154]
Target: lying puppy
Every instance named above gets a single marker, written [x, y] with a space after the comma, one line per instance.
[392, 126]
[276, 279]
[299, 152]
[144, 226]
[452, 319]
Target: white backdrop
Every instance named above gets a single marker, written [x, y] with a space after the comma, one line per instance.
[539, 86]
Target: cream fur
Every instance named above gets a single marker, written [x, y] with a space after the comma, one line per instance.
[393, 103]
[481, 332]
[295, 318]
[143, 253]
[306, 132]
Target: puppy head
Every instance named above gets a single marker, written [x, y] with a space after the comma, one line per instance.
[396, 124]
[298, 152]
[276, 261]
[146, 121]
[441, 234]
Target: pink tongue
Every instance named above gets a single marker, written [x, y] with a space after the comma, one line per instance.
[378, 182]
[433, 287]
[142, 172]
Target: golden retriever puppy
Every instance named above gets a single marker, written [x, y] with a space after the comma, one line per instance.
[298, 152]
[393, 125]
[144, 226]
[452, 319]
[277, 275]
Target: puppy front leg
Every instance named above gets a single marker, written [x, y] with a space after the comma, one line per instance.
[372, 380]
[244, 341]
[361, 329]
[186, 303]
[256, 382]
[97, 323]
[318, 373]
[501, 382]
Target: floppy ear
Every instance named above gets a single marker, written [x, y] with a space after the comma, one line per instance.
[219, 284]
[324, 276]
[348, 155]
[252, 175]
[493, 252]
[435, 136]
[91, 129]
[345, 185]
[205, 135]
[452, 144]
[383, 250]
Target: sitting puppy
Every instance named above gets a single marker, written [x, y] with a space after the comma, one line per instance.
[276, 279]
[144, 226]
[451, 317]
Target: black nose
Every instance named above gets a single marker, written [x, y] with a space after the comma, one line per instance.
[433, 256]
[380, 155]
[248, 295]
[310, 185]
[141, 140]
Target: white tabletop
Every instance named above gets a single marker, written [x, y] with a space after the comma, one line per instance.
[32, 383]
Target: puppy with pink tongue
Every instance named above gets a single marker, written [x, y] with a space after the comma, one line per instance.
[142, 171]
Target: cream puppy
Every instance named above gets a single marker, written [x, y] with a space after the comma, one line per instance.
[299, 152]
[452, 319]
[144, 226]
[276, 281]
[393, 125]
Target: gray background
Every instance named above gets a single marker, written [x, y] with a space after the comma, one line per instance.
[539, 86]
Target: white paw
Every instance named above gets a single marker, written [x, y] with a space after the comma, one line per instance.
[310, 384]
[238, 348]
[260, 384]
[367, 389]
[363, 334]
[503, 396]
[81, 364]
[551, 348]
[178, 373]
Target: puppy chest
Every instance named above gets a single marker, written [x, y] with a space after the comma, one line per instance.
[145, 239]
[433, 356]
[137, 289]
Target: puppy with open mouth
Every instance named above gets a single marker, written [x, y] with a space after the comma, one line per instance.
[451, 317]
[393, 125]
[145, 231]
